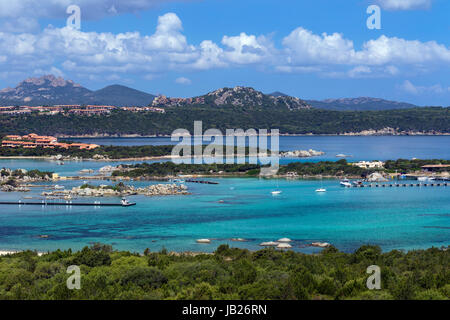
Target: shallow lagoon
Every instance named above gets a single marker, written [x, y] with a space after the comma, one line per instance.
[394, 218]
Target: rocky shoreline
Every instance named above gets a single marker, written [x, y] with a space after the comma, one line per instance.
[120, 190]
[17, 180]
[370, 132]
[301, 154]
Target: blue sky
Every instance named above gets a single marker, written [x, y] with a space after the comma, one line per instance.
[311, 49]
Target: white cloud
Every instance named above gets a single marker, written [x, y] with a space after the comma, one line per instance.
[183, 80]
[210, 56]
[404, 4]
[168, 35]
[386, 50]
[167, 49]
[409, 87]
[246, 49]
[304, 47]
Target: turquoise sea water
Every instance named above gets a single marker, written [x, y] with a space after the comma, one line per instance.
[394, 218]
[401, 218]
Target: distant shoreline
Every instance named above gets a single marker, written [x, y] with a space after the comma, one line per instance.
[349, 134]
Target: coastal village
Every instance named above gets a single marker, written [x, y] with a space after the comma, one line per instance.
[75, 109]
[33, 141]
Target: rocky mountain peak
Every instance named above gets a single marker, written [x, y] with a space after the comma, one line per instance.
[48, 80]
[238, 96]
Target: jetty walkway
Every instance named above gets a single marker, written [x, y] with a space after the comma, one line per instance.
[67, 203]
[399, 185]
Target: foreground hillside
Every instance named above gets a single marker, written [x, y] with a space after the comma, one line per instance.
[302, 121]
[226, 274]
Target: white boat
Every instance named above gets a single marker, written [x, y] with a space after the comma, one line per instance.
[125, 203]
[276, 191]
[426, 178]
[58, 187]
[321, 189]
[345, 183]
[203, 241]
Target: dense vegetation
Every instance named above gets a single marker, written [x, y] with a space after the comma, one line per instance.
[229, 273]
[330, 168]
[171, 169]
[403, 165]
[111, 152]
[315, 121]
[326, 168]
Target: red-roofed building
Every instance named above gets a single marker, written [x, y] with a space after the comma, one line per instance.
[33, 140]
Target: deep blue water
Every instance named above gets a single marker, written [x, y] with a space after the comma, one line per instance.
[359, 147]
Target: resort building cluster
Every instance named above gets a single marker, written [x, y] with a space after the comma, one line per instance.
[369, 164]
[88, 110]
[33, 140]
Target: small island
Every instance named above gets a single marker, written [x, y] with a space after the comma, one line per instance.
[119, 189]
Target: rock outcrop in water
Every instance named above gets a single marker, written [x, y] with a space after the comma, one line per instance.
[17, 180]
[10, 188]
[120, 190]
[301, 153]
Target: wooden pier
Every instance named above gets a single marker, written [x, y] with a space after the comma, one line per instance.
[400, 185]
[200, 181]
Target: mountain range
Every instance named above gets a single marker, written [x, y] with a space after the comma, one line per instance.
[234, 97]
[354, 104]
[359, 104]
[51, 90]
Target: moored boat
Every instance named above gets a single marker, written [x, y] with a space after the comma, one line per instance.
[345, 183]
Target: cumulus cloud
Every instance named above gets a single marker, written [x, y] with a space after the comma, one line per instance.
[387, 50]
[302, 51]
[404, 4]
[246, 49]
[304, 47]
[384, 56]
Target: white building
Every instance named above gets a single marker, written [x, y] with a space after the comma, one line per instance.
[369, 164]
